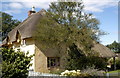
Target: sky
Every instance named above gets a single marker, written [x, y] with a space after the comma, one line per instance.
[106, 11]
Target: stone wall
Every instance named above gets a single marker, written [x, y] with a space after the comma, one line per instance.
[40, 61]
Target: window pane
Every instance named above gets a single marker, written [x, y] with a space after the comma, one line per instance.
[53, 61]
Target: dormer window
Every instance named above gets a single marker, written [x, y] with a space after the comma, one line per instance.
[18, 40]
[9, 43]
[18, 37]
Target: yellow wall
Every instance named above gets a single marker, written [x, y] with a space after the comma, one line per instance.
[40, 61]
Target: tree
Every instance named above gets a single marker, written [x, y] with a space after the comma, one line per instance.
[72, 14]
[115, 47]
[8, 23]
[15, 64]
[75, 28]
[82, 29]
[65, 24]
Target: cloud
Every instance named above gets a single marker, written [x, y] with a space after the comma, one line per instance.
[44, 5]
[12, 7]
[42, 1]
[91, 6]
[99, 6]
[15, 5]
[12, 11]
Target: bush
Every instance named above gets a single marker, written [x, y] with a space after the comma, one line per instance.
[77, 59]
[117, 60]
[93, 72]
[56, 71]
[15, 64]
[74, 73]
[118, 64]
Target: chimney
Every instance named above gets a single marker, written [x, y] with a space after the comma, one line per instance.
[31, 11]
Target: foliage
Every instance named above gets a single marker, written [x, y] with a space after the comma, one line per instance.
[71, 14]
[15, 64]
[8, 23]
[117, 61]
[93, 72]
[116, 71]
[49, 33]
[84, 61]
[56, 71]
[57, 28]
[65, 24]
[115, 47]
[118, 64]
[74, 73]
[77, 60]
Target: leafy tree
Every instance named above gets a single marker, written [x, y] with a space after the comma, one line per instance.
[75, 28]
[115, 47]
[72, 14]
[64, 24]
[8, 23]
[15, 64]
[82, 29]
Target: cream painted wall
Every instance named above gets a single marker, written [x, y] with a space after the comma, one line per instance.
[28, 46]
[30, 49]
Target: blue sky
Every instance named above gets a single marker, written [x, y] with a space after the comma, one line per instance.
[105, 11]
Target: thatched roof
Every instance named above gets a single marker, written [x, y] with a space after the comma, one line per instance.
[102, 50]
[27, 27]
[4, 42]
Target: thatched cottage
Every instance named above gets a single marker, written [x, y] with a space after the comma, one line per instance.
[21, 38]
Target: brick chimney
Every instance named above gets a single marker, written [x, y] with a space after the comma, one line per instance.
[31, 11]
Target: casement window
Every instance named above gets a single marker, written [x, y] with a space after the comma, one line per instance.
[53, 61]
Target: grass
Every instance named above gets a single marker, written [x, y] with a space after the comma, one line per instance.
[116, 71]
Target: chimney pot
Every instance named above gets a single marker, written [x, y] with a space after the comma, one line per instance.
[31, 11]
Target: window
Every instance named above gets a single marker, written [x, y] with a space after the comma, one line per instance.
[18, 37]
[53, 61]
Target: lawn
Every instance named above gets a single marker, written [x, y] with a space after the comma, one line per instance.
[114, 73]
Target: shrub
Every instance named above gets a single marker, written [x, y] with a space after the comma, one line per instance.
[56, 71]
[93, 72]
[117, 60]
[77, 59]
[83, 62]
[15, 64]
[74, 73]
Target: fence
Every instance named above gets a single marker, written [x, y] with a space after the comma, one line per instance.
[32, 73]
[46, 75]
